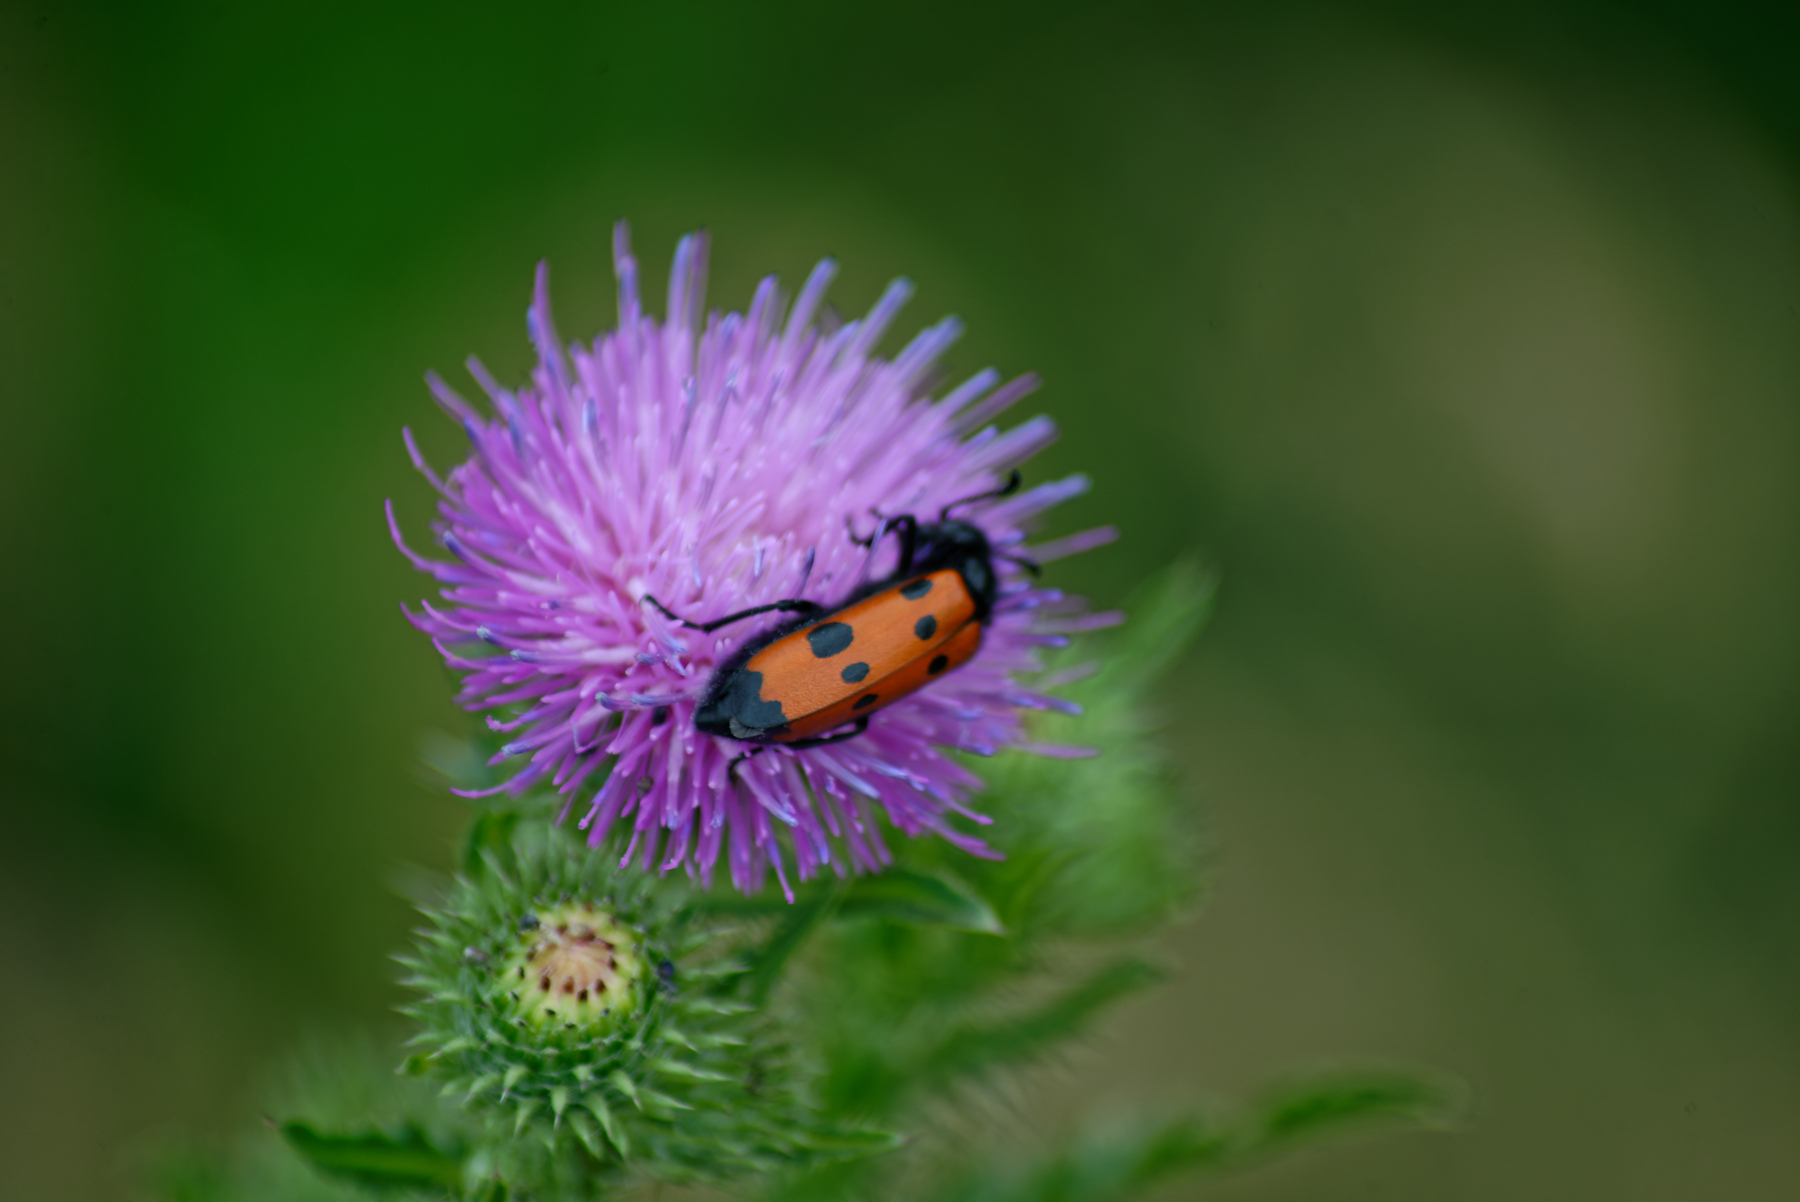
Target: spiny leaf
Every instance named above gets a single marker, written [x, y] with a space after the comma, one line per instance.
[1123, 1162]
[1166, 615]
[920, 898]
[1021, 1037]
[1324, 1105]
[385, 1162]
[1104, 1168]
[848, 1142]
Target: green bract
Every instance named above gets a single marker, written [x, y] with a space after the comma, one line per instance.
[575, 1007]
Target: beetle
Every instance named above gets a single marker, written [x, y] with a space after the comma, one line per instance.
[798, 683]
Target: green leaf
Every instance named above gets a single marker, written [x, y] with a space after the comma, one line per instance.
[375, 1160]
[1107, 1166]
[1122, 1162]
[846, 1143]
[1325, 1105]
[919, 898]
[1167, 614]
[1021, 1037]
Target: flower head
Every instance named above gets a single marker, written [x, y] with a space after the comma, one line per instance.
[715, 464]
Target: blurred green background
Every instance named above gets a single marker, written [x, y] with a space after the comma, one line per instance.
[1462, 342]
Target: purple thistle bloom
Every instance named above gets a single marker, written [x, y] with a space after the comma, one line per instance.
[717, 463]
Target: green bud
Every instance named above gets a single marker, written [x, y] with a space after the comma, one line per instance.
[598, 1028]
[574, 966]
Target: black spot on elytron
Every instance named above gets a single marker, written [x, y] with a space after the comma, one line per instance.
[829, 638]
[916, 589]
[925, 627]
[855, 672]
[865, 701]
[938, 664]
[746, 706]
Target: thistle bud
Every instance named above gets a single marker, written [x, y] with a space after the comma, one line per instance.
[576, 1007]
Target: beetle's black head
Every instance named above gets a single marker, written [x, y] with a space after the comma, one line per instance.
[960, 545]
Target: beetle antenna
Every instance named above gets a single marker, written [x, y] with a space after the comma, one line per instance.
[1005, 490]
[1030, 565]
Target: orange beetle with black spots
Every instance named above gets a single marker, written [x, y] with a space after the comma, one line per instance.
[800, 683]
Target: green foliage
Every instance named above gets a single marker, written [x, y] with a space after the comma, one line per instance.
[372, 1132]
[407, 1160]
[1121, 1161]
[920, 898]
[593, 1028]
[1018, 1037]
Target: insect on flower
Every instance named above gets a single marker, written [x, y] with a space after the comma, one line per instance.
[714, 466]
[828, 669]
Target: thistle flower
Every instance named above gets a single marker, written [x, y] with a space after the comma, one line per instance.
[716, 464]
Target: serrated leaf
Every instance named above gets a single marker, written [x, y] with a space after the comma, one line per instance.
[976, 1047]
[376, 1160]
[712, 1005]
[848, 1142]
[1325, 1105]
[919, 898]
[1103, 1166]
[1122, 1162]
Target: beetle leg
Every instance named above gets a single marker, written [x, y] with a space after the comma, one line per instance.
[862, 724]
[908, 526]
[731, 768]
[793, 606]
[1005, 490]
